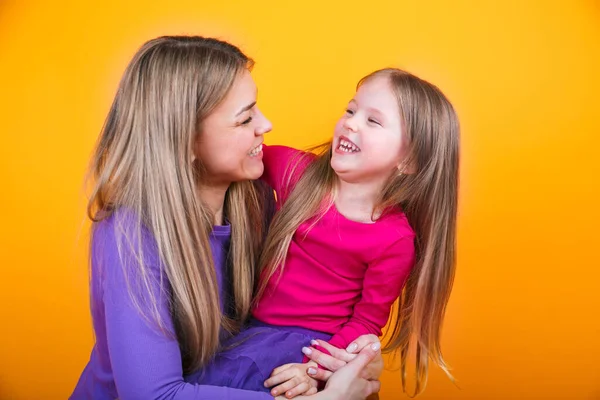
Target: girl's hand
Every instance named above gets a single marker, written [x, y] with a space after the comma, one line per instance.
[340, 358]
[292, 380]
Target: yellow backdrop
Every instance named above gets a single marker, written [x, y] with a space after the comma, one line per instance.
[523, 319]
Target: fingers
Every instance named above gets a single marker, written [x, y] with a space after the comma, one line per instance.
[319, 374]
[280, 369]
[373, 387]
[335, 352]
[360, 343]
[375, 368]
[311, 391]
[302, 388]
[281, 377]
[288, 386]
[366, 355]
[325, 360]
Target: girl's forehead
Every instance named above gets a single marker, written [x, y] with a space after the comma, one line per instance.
[377, 92]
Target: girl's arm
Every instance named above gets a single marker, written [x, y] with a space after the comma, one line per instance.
[382, 285]
[283, 167]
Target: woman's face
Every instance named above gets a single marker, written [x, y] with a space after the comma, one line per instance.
[229, 145]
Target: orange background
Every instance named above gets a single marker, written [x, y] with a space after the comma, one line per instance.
[523, 320]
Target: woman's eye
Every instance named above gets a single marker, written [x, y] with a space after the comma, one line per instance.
[247, 121]
[374, 121]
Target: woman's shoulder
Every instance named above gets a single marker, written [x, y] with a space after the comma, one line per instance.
[119, 220]
[121, 231]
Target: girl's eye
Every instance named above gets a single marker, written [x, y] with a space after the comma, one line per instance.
[374, 121]
[247, 121]
[349, 112]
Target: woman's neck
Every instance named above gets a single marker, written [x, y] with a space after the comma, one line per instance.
[213, 196]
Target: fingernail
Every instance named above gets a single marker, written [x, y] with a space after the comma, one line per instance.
[274, 392]
[376, 346]
[352, 348]
[314, 342]
[307, 351]
[312, 371]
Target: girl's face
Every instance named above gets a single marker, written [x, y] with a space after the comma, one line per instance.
[369, 143]
[229, 145]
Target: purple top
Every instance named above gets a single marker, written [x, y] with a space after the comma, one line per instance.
[133, 359]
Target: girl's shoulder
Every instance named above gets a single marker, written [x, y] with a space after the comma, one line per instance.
[288, 156]
[395, 224]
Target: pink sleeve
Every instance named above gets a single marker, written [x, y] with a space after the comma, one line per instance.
[382, 285]
[283, 168]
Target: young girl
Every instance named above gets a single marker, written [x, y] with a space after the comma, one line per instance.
[371, 218]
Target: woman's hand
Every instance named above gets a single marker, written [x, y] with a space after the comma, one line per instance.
[340, 357]
[346, 383]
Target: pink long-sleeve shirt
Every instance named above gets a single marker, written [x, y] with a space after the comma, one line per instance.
[341, 276]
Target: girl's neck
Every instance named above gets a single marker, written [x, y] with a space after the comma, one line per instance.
[357, 201]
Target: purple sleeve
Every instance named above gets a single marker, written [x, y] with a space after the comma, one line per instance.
[146, 363]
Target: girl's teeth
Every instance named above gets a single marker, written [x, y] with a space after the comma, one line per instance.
[348, 147]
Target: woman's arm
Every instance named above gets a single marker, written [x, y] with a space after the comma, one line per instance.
[146, 362]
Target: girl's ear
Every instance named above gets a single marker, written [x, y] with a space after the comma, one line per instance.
[406, 167]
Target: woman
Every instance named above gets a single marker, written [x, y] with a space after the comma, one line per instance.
[178, 224]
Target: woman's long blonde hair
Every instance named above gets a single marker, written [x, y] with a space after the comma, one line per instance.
[143, 163]
[428, 197]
